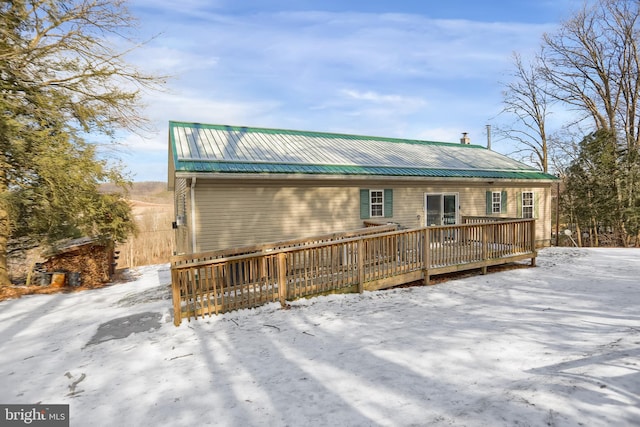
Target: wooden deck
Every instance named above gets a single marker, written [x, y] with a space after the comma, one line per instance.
[369, 259]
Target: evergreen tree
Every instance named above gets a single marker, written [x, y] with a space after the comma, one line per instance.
[594, 181]
[61, 80]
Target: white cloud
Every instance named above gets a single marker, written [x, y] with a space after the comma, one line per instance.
[378, 98]
[205, 107]
[441, 134]
[172, 61]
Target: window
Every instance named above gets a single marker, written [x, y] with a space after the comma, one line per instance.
[496, 202]
[376, 203]
[376, 198]
[527, 204]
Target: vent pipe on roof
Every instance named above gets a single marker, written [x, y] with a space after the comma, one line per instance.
[465, 139]
[488, 137]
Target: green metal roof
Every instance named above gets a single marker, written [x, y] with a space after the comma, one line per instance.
[196, 147]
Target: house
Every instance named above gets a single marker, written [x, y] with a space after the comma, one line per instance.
[238, 186]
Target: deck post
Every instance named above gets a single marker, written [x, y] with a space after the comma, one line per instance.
[175, 290]
[533, 242]
[214, 284]
[282, 278]
[426, 255]
[361, 265]
[485, 245]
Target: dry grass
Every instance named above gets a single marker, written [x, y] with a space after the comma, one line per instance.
[152, 206]
[155, 240]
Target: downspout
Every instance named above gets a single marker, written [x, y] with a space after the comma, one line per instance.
[193, 215]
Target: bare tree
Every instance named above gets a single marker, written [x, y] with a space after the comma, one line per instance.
[591, 66]
[526, 99]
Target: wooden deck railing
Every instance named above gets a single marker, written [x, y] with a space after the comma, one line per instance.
[267, 247]
[204, 285]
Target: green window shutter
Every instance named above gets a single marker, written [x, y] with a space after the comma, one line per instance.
[489, 203]
[364, 204]
[536, 204]
[503, 202]
[519, 205]
[388, 203]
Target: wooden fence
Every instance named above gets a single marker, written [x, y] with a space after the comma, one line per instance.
[371, 259]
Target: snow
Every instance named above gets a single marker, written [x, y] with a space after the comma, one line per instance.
[555, 345]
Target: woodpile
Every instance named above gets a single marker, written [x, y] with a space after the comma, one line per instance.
[85, 262]
[70, 265]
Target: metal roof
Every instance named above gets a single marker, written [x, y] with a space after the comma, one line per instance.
[199, 147]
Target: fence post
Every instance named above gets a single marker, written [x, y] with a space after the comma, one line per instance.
[361, 265]
[485, 245]
[426, 255]
[175, 290]
[214, 284]
[282, 278]
[533, 242]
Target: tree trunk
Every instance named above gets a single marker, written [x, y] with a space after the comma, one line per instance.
[623, 235]
[594, 237]
[5, 226]
[578, 235]
[4, 239]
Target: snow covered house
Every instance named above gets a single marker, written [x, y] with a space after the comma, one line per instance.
[238, 186]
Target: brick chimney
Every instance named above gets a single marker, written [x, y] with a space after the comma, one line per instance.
[465, 139]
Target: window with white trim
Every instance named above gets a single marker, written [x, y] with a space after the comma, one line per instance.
[527, 204]
[496, 202]
[376, 203]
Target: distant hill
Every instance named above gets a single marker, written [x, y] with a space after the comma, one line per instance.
[147, 191]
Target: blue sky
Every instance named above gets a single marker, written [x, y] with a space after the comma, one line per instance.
[407, 69]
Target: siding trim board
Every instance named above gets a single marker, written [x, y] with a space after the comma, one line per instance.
[228, 167]
[351, 180]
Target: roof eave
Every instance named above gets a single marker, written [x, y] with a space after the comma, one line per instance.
[336, 177]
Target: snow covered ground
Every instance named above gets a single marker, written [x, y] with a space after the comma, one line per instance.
[555, 345]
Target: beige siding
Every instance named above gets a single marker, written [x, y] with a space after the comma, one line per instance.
[231, 214]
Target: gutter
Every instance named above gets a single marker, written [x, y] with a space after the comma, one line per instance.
[235, 176]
